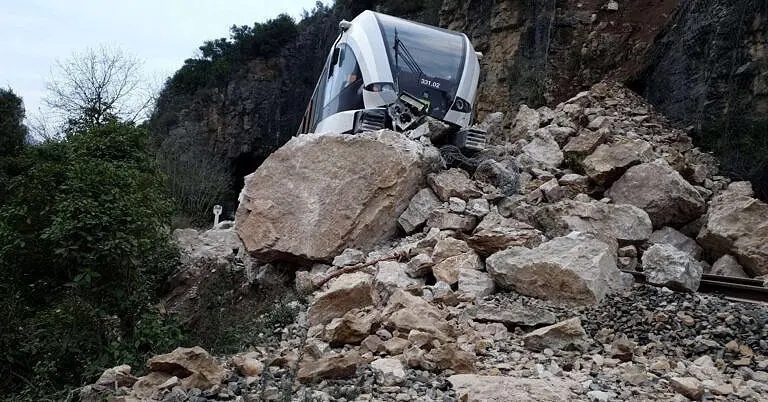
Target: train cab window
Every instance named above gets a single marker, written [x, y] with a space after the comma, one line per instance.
[344, 86]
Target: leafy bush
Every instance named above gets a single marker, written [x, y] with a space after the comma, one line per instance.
[13, 133]
[84, 243]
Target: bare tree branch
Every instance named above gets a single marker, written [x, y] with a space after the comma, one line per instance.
[97, 85]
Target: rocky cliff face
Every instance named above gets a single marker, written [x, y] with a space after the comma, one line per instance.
[543, 52]
[241, 121]
[710, 64]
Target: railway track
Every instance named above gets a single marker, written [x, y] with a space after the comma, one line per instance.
[732, 288]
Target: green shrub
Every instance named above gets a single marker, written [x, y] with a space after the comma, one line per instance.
[84, 242]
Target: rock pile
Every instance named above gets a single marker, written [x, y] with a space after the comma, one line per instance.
[496, 295]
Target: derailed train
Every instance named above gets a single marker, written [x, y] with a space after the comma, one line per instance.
[387, 72]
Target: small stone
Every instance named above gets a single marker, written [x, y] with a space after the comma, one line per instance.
[688, 387]
[349, 256]
[478, 207]
[457, 205]
[388, 371]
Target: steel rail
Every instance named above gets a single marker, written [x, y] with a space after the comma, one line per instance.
[742, 289]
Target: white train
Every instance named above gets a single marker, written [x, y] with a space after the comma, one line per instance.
[387, 72]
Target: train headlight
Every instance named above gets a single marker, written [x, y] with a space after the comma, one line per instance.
[460, 105]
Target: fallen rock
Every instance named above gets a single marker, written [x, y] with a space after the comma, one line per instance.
[505, 175]
[115, 377]
[146, 387]
[331, 367]
[542, 152]
[660, 191]
[514, 315]
[349, 256]
[609, 162]
[449, 247]
[450, 356]
[563, 335]
[217, 244]
[453, 183]
[448, 269]
[737, 224]
[248, 364]
[310, 200]
[496, 233]
[576, 268]
[727, 265]
[373, 343]
[194, 366]
[419, 208]
[625, 223]
[480, 388]
[584, 144]
[388, 371]
[391, 275]
[665, 265]
[395, 346]
[477, 283]
[573, 184]
[347, 292]
[405, 312]
[419, 266]
[668, 235]
[526, 121]
[444, 219]
[687, 386]
[350, 329]
[478, 207]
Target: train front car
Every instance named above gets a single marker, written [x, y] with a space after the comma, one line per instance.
[386, 72]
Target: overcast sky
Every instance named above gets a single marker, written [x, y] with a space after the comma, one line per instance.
[161, 33]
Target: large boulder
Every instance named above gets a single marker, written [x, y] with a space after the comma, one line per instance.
[405, 312]
[195, 367]
[668, 235]
[526, 122]
[660, 191]
[334, 366]
[481, 388]
[584, 144]
[576, 268]
[419, 208]
[476, 283]
[625, 223]
[665, 265]
[496, 233]
[322, 193]
[347, 292]
[609, 162]
[728, 265]
[737, 224]
[512, 315]
[453, 183]
[542, 152]
[563, 335]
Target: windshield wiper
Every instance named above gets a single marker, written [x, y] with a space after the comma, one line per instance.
[400, 49]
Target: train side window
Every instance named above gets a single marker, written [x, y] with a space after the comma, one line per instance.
[343, 90]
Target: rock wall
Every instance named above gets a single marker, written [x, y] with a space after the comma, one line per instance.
[710, 64]
[545, 51]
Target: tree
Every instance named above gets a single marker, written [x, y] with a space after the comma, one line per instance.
[97, 86]
[12, 130]
[13, 133]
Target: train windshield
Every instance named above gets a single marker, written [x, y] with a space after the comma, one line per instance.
[426, 62]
